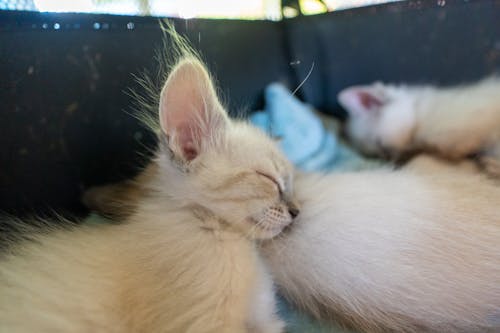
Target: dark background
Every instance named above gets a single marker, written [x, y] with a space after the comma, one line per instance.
[65, 120]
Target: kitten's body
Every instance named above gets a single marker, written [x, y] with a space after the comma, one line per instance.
[157, 272]
[408, 250]
[413, 250]
[184, 259]
[441, 116]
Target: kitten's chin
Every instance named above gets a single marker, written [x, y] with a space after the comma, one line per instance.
[264, 231]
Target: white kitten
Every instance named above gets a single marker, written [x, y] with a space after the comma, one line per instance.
[414, 250]
[185, 259]
[411, 250]
[454, 122]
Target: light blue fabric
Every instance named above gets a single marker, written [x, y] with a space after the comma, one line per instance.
[302, 135]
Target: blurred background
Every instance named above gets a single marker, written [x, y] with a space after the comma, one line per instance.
[66, 113]
[247, 9]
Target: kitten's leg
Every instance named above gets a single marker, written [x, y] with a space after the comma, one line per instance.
[117, 201]
[431, 164]
[114, 201]
[263, 318]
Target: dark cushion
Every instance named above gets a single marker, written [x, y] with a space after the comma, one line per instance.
[66, 121]
[442, 42]
[64, 108]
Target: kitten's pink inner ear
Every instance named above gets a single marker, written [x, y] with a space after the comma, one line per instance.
[188, 103]
[369, 101]
[358, 100]
[185, 140]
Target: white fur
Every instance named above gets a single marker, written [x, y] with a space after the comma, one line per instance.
[453, 121]
[414, 250]
[411, 250]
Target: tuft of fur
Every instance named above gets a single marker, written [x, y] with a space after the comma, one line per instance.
[454, 122]
[184, 257]
[147, 98]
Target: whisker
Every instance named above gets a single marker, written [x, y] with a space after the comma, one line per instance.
[305, 79]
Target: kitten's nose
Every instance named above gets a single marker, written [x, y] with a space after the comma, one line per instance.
[294, 212]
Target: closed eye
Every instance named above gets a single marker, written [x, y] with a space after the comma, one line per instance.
[271, 178]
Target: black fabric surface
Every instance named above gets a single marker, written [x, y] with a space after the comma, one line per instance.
[440, 42]
[64, 122]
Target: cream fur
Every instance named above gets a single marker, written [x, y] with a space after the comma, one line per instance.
[184, 259]
[409, 250]
[160, 272]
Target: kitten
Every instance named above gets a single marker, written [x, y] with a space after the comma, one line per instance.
[454, 122]
[185, 259]
[409, 250]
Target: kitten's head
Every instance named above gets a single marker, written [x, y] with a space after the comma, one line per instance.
[381, 118]
[228, 168]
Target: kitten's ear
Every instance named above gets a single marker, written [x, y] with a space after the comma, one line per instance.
[363, 99]
[191, 115]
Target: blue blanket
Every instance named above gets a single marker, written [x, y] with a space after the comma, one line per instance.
[302, 135]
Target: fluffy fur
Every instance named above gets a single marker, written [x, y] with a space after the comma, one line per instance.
[409, 250]
[414, 250]
[454, 122]
[184, 259]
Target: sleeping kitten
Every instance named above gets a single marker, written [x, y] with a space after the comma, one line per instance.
[184, 260]
[409, 250]
[454, 122]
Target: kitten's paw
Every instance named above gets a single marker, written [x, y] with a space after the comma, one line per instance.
[114, 201]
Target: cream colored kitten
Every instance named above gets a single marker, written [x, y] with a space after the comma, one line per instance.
[454, 122]
[409, 250]
[184, 260]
